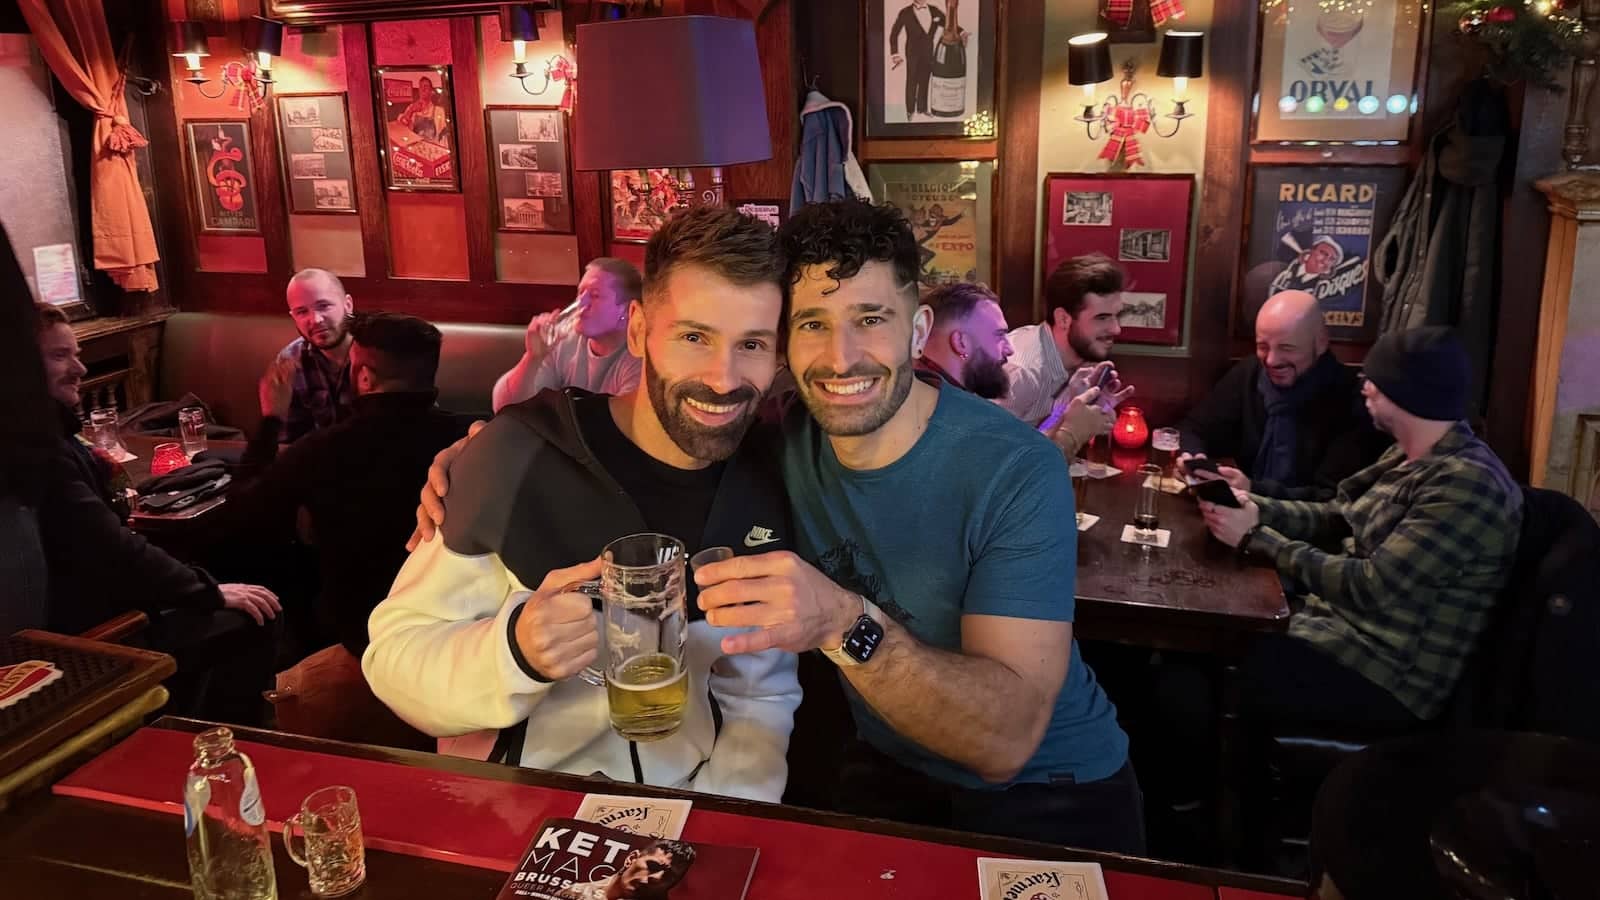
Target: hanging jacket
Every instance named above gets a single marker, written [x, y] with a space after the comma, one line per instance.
[1437, 264]
[826, 168]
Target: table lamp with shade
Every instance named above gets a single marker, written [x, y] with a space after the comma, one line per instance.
[670, 92]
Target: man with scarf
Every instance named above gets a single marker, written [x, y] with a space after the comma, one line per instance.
[1292, 417]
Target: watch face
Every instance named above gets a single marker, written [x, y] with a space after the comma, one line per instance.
[863, 639]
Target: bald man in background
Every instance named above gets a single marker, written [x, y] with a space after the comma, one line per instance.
[1292, 417]
[308, 384]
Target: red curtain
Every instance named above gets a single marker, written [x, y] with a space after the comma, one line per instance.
[75, 43]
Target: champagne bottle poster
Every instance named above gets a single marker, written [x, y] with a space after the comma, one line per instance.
[929, 67]
[1336, 59]
[948, 213]
[1315, 230]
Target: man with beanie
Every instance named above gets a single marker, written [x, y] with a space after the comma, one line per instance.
[1428, 536]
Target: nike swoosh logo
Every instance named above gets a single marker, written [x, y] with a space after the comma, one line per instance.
[759, 536]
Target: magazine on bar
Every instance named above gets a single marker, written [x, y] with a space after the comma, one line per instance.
[575, 860]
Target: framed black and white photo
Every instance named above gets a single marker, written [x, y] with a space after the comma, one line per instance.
[314, 145]
[929, 68]
[528, 168]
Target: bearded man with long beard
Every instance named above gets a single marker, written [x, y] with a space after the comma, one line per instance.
[463, 651]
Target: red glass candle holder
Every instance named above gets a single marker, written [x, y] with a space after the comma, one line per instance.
[167, 458]
[1131, 430]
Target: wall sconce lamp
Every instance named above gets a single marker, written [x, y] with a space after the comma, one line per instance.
[262, 39]
[1128, 114]
[519, 24]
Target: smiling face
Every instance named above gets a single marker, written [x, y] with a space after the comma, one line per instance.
[1321, 258]
[63, 369]
[1091, 333]
[850, 346]
[710, 351]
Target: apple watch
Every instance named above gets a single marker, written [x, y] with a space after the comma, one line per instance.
[863, 638]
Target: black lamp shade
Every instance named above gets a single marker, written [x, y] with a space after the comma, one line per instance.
[189, 39]
[1088, 59]
[519, 22]
[669, 91]
[1182, 54]
[263, 36]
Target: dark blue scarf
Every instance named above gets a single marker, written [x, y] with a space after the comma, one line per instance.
[1275, 459]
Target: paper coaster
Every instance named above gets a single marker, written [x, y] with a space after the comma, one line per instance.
[1131, 535]
[1087, 521]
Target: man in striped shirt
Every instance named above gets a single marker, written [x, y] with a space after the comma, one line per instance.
[1427, 538]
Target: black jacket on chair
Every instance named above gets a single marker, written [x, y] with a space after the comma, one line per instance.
[1335, 438]
[1535, 668]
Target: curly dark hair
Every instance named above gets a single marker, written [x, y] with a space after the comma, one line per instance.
[846, 235]
[740, 248]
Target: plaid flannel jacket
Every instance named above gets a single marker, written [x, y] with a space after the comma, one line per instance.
[1427, 547]
[324, 393]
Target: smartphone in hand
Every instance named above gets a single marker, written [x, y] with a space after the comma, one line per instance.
[1216, 491]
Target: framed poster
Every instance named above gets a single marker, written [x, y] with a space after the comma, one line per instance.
[1313, 229]
[222, 176]
[949, 206]
[641, 200]
[528, 169]
[1142, 222]
[1337, 72]
[929, 69]
[314, 142]
[417, 127]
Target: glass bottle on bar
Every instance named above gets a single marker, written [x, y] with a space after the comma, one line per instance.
[230, 850]
[947, 88]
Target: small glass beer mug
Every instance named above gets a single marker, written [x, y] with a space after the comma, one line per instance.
[334, 857]
[641, 580]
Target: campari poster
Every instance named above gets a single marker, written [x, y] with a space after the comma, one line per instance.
[1338, 70]
[1314, 229]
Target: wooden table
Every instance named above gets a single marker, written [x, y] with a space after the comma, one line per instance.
[474, 819]
[103, 688]
[143, 446]
[1194, 594]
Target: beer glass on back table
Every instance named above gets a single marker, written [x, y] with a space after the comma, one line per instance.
[641, 580]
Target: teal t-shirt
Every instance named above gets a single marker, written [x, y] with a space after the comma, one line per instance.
[976, 519]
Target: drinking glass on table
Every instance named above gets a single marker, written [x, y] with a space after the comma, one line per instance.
[1147, 514]
[335, 856]
[192, 429]
[1167, 439]
[102, 430]
[1080, 488]
[642, 584]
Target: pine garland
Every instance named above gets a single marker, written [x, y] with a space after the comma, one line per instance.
[1526, 40]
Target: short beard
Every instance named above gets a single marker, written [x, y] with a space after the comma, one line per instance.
[857, 422]
[1084, 347]
[695, 439]
[339, 331]
[986, 376]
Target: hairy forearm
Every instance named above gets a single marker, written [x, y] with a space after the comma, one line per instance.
[972, 710]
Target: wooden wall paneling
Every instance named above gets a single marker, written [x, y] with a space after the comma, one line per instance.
[372, 201]
[471, 155]
[830, 54]
[587, 197]
[1219, 243]
[1020, 56]
[272, 203]
[166, 156]
[1525, 233]
[775, 42]
[945, 149]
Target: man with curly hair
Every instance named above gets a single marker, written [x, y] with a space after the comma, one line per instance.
[935, 566]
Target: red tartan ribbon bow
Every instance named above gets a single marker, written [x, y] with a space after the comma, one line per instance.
[248, 91]
[566, 71]
[1163, 11]
[1126, 123]
[1120, 12]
